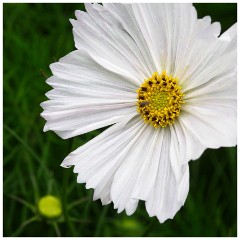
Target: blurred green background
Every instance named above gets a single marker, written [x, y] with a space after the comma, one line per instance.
[36, 35]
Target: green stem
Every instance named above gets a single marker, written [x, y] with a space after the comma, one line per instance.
[25, 203]
[56, 228]
[73, 204]
[34, 155]
[65, 197]
[24, 224]
[65, 201]
[148, 229]
[101, 221]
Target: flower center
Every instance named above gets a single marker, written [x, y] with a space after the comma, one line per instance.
[159, 100]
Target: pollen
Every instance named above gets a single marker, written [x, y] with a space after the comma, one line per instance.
[159, 100]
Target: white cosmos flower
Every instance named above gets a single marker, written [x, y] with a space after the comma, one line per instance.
[164, 80]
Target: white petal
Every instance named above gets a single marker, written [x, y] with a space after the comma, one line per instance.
[125, 15]
[210, 114]
[79, 68]
[184, 146]
[86, 96]
[125, 163]
[207, 120]
[104, 38]
[149, 169]
[165, 28]
[127, 182]
[97, 161]
[209, 58]
[211, 68]
[176, 41]
[219, 88]
[169, 194]
[230, 34]
[213, 125]
[147, 175]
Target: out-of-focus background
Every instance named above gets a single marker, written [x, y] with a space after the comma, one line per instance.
[36, 35]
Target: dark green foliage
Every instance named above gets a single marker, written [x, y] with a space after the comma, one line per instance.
[36, 35]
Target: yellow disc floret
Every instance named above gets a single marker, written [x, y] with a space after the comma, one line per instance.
[160, 99]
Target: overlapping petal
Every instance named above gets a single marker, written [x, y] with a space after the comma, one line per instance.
[172, 36]
[130, 162]
[209, 115]
[85, 96]
[116, 50]
[97, 161]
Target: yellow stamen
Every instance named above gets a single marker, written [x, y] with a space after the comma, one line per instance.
[160, 99]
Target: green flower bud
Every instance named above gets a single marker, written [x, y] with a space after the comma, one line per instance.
[50, 206]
